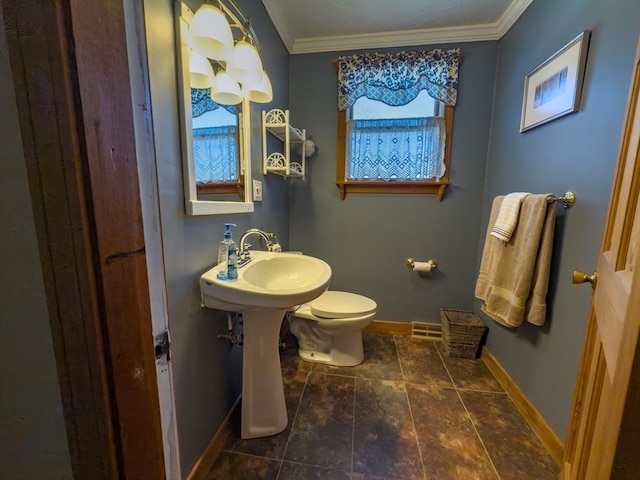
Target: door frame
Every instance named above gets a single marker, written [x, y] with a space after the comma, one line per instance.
[150, 200]
[78, 136]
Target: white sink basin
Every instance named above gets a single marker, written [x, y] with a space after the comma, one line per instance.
[269, 280]
[266, 287]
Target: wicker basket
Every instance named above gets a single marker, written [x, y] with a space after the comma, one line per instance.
[462, 333]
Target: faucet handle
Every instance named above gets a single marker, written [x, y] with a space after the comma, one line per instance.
[275, 247]
[244, 254]
[274, 244]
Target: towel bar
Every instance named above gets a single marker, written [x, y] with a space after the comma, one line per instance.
[568, 199]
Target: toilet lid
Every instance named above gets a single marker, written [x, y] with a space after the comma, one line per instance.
[332, 304]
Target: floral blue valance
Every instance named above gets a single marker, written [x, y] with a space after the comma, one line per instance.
[396, 79]
[201, 102]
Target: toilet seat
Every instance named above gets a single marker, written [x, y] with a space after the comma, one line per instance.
[336, 304]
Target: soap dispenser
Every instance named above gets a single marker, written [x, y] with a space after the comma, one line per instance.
[232, 260]
[224, 254]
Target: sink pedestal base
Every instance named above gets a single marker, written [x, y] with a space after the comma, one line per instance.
[264, 411]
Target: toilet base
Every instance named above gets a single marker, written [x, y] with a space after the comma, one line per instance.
[346, 351]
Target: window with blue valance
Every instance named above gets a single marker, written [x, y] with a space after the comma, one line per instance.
[404, 147]
[215, 143]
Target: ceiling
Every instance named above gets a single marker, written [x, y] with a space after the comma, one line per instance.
[308, 26]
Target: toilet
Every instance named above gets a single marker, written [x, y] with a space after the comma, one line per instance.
[329, 328]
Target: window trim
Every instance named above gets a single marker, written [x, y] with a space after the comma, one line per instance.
[381, 186]
[234, 186]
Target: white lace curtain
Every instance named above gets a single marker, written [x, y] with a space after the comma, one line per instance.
[212, 149]
[395, 149]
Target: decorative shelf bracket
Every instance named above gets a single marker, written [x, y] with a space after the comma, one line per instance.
[276, 122]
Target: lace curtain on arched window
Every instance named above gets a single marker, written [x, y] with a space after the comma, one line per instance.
[397, 149]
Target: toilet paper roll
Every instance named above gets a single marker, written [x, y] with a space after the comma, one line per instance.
[422, 266]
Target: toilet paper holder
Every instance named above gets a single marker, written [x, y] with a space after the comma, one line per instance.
[411, 263]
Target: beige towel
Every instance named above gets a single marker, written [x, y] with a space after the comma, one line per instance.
[508, 216]
[514, 277]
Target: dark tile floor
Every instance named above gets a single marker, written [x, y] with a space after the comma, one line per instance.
[407, 412]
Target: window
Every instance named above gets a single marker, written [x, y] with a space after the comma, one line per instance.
[395, 143]
[216, 145]
[395, 122]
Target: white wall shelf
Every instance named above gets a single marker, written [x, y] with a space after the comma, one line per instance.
[276, 122]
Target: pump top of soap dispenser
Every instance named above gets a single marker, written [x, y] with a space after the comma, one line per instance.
[227, 233]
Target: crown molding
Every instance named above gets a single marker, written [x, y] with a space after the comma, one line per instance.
[473, 33]
[278, 19]
[510, 15]
[402, 38]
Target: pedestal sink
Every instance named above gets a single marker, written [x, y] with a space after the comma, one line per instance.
[268, 286]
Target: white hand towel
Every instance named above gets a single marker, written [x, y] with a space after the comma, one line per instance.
[508, 216]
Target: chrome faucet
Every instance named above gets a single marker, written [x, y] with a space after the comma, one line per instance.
[244, 254]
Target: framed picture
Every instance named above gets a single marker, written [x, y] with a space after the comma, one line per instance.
[554, 88]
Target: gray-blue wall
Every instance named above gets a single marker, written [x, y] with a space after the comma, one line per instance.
[207, 374]
[366, 238]
[33, 439]
[576, 152]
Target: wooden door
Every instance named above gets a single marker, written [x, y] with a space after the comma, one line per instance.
[603, 432]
